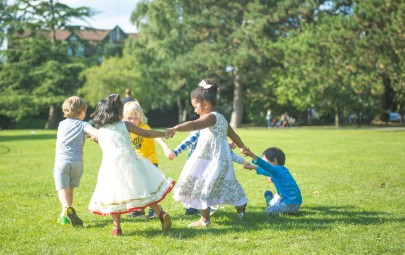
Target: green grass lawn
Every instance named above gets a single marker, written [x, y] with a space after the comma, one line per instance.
[352, 183]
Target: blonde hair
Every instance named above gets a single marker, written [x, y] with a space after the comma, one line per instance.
[133, 108]
[73, 107]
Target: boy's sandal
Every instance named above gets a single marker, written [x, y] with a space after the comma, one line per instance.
[74, 219]
[63, 220]
[199, 223]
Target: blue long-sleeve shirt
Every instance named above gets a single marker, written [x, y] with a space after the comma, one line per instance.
[191, 142]
[285, 184]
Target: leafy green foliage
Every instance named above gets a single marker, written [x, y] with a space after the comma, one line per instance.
[37, 73]
[114, 75]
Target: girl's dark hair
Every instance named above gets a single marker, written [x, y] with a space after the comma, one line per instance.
[108, 110]
[273, 153]
[206, 91]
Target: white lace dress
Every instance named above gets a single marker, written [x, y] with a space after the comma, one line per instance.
[126, 181]
[208, 177]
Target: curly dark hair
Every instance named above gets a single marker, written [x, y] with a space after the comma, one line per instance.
[108, 111]
[201, 94]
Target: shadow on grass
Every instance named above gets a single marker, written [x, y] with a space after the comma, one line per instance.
[27, 137]
[4, 149]
[308, 218]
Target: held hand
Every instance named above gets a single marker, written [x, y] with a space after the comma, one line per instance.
[245, 151]
[169, 133]
[93, 138]
[248, 166]
[171, 156]
[232, 145]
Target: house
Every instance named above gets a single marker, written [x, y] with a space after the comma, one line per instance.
[88, 42]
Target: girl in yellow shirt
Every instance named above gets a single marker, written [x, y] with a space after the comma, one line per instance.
[143, 146]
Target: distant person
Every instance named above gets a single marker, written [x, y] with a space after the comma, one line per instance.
[143, 146]
[68, 169]
[127, 97]
[126, 182]
[288, 198]
[285, 120]
[268, 118]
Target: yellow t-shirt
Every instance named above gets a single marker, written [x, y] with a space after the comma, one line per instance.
[144, 146]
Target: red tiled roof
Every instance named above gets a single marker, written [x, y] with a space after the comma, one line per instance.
[93, 35]
[62, 35]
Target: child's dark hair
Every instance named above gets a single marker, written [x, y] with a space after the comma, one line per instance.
[206, 91]
[109, 110]
[273, 153]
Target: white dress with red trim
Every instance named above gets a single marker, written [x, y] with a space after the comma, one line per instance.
[208, 177]
[126, 181]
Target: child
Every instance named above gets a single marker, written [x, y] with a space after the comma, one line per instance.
[288, 198]
[208, 176]
[68, 167]
[125, 181]
[191, 142]
[144, 146]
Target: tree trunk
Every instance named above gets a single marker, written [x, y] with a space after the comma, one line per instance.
[182, 110]
[336, 116]
[184, 115]
[237, 107]
[52, 117]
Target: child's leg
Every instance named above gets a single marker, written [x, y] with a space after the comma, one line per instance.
[65, 198]
[277, 205]
[241, 210]
[205, 215]
[164, 217]
[282, 208]
[117, 224]
[204, 221]
[156, 208]
[116, 220]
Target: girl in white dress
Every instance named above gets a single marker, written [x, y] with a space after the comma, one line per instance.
[126, 182]
[208, 177]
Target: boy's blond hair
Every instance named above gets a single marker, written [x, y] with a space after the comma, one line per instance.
[73, 107]
[133, 108]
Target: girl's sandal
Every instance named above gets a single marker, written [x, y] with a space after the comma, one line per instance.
[199, 223]
[241, 211]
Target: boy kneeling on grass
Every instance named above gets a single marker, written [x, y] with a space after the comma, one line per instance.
[288, 198]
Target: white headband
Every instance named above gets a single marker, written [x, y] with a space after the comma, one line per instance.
[204, 85]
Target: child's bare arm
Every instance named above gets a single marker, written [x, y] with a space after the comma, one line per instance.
[234, 137]
[247, 152]
[205, 121]
[144, 132]
[92, 133]
[164, 146]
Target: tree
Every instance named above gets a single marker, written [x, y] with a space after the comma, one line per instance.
[381, 46]
[31, 26]
[344, 61]
[183, 42]
[114, 75]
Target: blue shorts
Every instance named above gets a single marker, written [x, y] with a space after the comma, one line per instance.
[67, 174]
